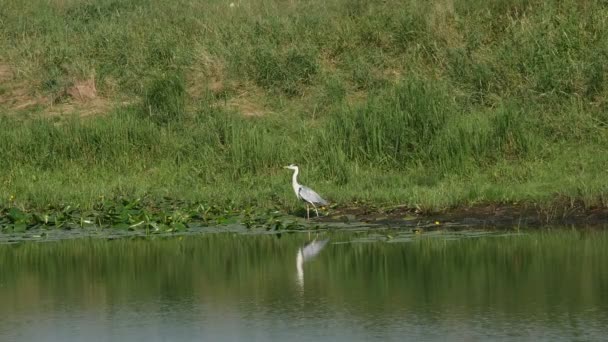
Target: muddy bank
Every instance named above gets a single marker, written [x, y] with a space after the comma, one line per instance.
[124, 218]
[481, 216]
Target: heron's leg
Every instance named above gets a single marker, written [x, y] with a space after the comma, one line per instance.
[316, 211]
[307, 212]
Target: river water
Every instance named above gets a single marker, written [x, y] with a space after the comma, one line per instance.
[549, 285]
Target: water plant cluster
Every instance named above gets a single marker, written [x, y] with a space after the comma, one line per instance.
[142, 215]
[431, 105]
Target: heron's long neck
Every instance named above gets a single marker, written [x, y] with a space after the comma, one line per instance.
[294, 181]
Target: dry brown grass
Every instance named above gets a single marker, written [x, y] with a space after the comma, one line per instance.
[249, 101]
[246, 106]
[6, 74]
[356, 97]
[82, 99]
[19, 95]
[97, 106]
[83, 90]
[442, 24]
[208, 74]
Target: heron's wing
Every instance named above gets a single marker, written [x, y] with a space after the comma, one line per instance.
[310, 196]
[313, 248]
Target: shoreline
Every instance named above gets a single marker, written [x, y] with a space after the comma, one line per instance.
[500, 216]
[151, 218]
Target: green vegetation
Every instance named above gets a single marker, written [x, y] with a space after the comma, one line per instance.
[427, 104]
[143, 216]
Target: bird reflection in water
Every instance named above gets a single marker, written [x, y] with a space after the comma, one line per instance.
[305, 254]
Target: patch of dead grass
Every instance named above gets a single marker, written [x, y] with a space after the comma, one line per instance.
[441, 22]
[328, 63]
[82, 99]
[208, 74]
[83, 90]
[6, 74]
[19, 95]
[248, 102]
[93, 107]
[356, 97]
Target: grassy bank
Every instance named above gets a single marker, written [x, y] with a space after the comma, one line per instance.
[430, 105]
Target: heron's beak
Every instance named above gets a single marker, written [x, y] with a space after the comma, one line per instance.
[286, 167]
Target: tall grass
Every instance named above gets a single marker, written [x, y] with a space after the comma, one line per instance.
[432, 104]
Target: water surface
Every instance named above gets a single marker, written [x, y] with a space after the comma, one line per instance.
[388, 285]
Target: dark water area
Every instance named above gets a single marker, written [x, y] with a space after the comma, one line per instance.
[345, 286]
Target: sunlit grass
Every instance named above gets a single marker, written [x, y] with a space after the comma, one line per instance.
[379, 102]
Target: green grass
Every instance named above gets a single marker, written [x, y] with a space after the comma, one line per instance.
[430, 105]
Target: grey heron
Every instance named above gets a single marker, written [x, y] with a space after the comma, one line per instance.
[304, 193]
[306, 253]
